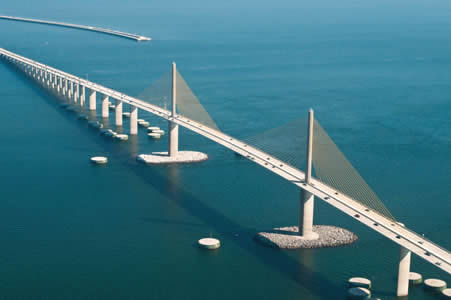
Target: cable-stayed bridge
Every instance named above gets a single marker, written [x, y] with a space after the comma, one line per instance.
[338, 183]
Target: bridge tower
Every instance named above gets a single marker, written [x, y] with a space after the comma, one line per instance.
[403, 271]
[307, 198]
[173, 127]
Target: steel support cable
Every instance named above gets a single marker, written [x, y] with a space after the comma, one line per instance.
[332, 168]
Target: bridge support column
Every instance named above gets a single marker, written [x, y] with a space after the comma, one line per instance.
[64, 89]
[82, 96]
[70, 94]
[173, 127]
[61, 86]
[307, 199]
[92, 100]
[77, 92]
[403, 271]
[118, 120]
[134, 120]
[105, 111]
[58, 84]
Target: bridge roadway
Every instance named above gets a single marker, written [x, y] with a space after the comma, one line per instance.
[399, 234]
[131, 36]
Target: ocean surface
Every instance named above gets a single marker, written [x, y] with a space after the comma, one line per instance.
[380, 85]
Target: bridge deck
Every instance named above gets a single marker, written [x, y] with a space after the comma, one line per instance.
[83, 27]
[399, 234]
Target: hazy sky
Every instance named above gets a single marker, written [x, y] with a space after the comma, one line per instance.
[188, 19]
[264, 11]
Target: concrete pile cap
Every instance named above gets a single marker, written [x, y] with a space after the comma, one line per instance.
[164, 158]
[415, 278]
[144, 124]
[126, 114]
[359, 282]
[122, 137]
[154, 135]
[209, 243]
[141, 120]
[435, 284]
[161, 132]
[153, 128]
[109, 132]
[359, 293]
[446, 293]
[99, 159]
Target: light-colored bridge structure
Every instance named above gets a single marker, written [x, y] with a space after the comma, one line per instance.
[127, 35]
[73, 88]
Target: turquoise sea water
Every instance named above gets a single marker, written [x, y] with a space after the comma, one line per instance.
[381, 87]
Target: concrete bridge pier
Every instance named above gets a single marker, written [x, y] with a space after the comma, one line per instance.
[92, 99]
[58, 85]
[105, 109]
[76, 92]
[133, 120]
[68, 90]
[118, 120]
[173, 127]
[61, 87]
[70, 95]
[82, 96]
[307, 199]
[403, 271]
[64, 88]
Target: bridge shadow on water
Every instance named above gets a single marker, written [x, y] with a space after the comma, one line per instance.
[168, 185]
